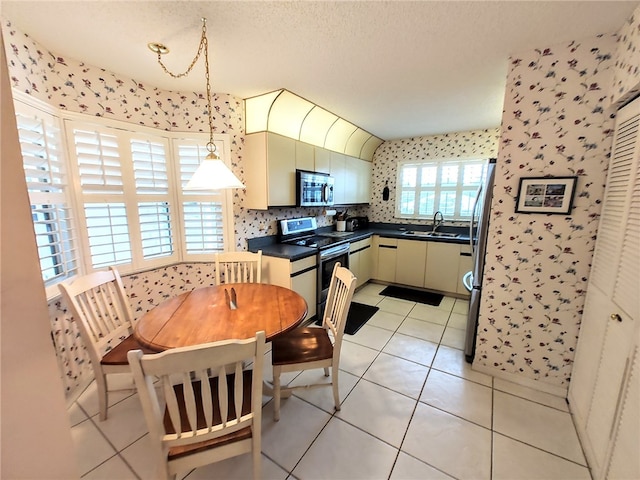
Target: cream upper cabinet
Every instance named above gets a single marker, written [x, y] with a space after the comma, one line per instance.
[322, 160]
[272, 160]
[270, 172]
[338, 162]
[305, 156]
[357, 179]
[442, 266]
[364, 181]
[410, 261]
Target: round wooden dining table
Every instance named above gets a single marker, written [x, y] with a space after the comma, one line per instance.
[210, 314]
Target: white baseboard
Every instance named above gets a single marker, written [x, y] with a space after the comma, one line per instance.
[558, 391]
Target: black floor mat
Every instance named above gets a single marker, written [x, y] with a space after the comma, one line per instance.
[412, 295]
[358, 315]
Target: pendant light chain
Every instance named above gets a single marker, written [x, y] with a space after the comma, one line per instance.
[204, 46]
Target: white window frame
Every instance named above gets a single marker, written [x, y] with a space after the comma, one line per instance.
[461, 190]
[176, 176]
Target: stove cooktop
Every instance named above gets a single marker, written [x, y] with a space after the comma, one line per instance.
[316, 241]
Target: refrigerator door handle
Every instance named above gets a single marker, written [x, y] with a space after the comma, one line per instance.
[473, 219]
[467, 281]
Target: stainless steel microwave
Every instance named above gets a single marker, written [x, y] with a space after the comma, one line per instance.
[313, 189]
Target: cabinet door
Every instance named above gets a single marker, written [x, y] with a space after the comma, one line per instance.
[281, 158]
[387, 248]
[364, 182]
[354, 265]
[411, 259]
[305, 285]
[442, 267]
[366, 265]
[338, 173]
[351, 170]
[322, 160]
[305, 154]
[465, 264]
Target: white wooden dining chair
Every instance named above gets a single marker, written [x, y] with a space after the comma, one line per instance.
[204, 407]
[309, 348]
[239, 267]
[101, 309]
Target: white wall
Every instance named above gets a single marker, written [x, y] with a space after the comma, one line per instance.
[36, 436]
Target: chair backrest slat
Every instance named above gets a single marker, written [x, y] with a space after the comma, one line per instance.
[238, 267]
[341, 288]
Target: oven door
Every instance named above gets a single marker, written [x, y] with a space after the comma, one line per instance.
[327, 260]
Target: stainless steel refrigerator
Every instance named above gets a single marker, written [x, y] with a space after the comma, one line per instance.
[478, 238]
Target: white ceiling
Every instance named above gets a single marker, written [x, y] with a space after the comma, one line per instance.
[396, 69]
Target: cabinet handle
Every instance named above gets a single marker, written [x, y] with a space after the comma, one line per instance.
[615, 316]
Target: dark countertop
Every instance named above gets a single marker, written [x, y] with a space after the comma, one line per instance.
[270, 246]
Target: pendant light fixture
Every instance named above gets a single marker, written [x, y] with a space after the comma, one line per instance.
[212, 173]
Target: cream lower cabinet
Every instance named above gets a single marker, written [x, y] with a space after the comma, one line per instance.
[361, 260]
[465, 264]
[441, 272]
[384, 251]
[300, 276]
[410, 261]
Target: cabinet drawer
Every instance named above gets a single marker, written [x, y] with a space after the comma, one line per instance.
[360, 245]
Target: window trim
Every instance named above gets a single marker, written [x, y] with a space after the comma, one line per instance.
[459, 189]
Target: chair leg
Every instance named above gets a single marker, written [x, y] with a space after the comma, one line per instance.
[326, 371]
[276, 393]
[334, 384]
[257, 459]
[101, 383]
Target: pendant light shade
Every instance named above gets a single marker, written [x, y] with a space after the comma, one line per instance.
[213, 174]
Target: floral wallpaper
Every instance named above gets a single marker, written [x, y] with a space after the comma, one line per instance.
[477, 143]
[537, 265]
[555, 122]
[626, 77]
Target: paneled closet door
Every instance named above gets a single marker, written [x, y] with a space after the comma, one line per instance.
[609, 326]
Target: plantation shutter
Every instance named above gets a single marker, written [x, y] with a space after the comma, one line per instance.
[152, 183]
[98, 158]
[203, 212]
[48, 186]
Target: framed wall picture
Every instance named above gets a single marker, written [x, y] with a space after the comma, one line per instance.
[546, 195]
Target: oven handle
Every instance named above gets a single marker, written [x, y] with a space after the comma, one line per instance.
[334, 251]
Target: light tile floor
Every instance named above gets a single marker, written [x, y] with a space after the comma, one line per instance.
[412, 408]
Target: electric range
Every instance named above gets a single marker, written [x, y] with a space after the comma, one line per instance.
[330, 249]
[302, 232]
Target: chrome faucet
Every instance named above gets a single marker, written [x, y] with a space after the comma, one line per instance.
[438, 219]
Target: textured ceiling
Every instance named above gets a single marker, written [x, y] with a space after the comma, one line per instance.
[396, 69]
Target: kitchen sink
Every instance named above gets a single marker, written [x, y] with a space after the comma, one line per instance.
[416, 233]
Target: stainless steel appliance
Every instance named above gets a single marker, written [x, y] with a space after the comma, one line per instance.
[357, 223]
[329, 250]
[313, 189]
[478, 237]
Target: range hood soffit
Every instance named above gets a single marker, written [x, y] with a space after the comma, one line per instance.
[287, 114]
